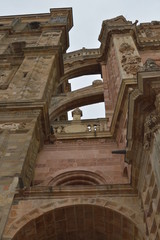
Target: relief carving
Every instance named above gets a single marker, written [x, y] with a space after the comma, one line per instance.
[151, 125]
[80, 126]
[148, 33]
[150, 65]
[12, 126]
[130, 61]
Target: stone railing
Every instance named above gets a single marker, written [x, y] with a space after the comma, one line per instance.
[88, 128]
[80, 54]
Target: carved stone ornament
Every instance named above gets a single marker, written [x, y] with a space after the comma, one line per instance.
[125, 47]
[12, 126]
[97, 82]
[149, 32]
[130, 61]
[77, 114]
[150, 65]
[151, 125]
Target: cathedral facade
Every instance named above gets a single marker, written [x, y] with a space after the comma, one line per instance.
[93, 179]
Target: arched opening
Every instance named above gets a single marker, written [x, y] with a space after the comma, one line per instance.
[85, 222]
[91, 111]
[65, 102]
[81, 69]
[87, 92]
[84, 81]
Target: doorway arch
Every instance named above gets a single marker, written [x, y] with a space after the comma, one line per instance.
[86, 221]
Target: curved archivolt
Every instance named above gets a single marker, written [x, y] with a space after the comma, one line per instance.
[81, 62]
[77, 177]
[78, 63]
[71, 100]
[80, 221]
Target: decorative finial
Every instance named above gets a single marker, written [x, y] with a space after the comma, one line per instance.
[77, 114]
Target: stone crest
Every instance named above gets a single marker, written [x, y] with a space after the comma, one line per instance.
[130, 61]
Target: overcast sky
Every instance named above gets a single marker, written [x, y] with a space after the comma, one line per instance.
[87, 16]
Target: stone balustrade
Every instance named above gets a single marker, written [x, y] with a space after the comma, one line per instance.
[92, 127]
[82, 53]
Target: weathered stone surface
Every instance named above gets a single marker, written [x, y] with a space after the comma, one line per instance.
[94, 156]
[80, 179]
[30, 53]
[76, 215]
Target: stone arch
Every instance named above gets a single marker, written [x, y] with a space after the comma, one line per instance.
[77, 177]
[78, 63]
[78, 98]
[81, 62]
[102, 220]
[80, 69]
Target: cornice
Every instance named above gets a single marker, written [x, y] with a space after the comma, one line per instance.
[55, 192]
[25, 109]
[58, 18]
[145, 35]
[53, 12]
[118, 25]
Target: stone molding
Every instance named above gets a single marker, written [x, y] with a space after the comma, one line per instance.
[133, 215]
[83, 176]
